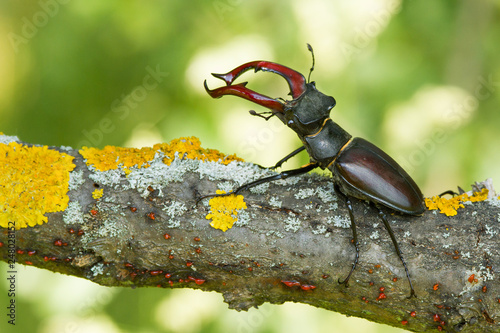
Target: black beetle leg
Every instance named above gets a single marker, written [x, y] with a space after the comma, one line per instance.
[398, 250]
[450, 192]
[287, 157]
[354, 236]
[284, 159]
[283, 175]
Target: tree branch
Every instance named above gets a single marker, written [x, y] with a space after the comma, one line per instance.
[292, 243]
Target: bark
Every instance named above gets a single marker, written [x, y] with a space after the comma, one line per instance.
[292, 243]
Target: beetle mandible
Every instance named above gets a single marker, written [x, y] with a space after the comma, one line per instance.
[359, 168]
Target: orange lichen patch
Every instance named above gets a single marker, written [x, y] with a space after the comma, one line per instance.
[450, 206]
[33, 181]
[191, 148]
[223, 210]
[479, 196]
[113, 157]
[97, 194]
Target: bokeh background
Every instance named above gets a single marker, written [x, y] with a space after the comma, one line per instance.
[421, 79]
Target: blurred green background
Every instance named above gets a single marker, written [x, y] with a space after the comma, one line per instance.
[420, 79]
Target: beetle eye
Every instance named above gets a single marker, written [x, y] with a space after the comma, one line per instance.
[290, 123]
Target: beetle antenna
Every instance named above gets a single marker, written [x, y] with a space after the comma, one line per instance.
[309, 47]
[254, 113]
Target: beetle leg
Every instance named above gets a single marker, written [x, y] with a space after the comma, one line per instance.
[450, 192]
[354, 236]
[398, 250]
[287, 157]
[295, 80]
[284, 159]
[283, 175]
[241, 91]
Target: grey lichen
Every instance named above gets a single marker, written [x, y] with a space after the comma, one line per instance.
[75, 180]
[6, 139]
[292, 223]
[73, 213]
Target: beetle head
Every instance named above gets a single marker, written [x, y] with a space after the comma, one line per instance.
[307, 113]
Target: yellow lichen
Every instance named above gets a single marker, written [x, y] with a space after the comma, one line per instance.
[223, 210]
[479, 196]
[449, 207]
[191, 148]
[97, 194]
[111, 157]
[33, 182]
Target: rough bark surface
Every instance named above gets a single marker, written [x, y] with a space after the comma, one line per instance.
[291, 232]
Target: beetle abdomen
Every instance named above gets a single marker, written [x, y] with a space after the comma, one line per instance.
[366, 172]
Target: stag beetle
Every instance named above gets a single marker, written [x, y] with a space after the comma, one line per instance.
[360, 169]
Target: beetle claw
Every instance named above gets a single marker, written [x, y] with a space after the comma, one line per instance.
[295, 80]
[241, 91]
[228, 78]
